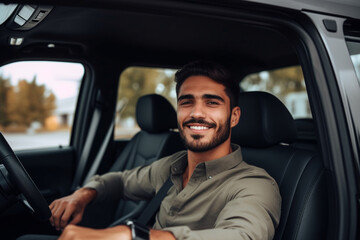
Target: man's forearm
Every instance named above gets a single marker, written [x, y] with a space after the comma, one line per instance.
[160, 234]
[89, 194]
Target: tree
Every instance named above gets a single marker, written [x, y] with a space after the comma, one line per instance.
[136, 82]
[281, 82]
[4, 89]
[29, 102]
[287, 84]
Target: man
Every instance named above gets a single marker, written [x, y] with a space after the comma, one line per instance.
[215, 195]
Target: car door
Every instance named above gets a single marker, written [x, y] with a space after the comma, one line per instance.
[337, 43]
[41, 123]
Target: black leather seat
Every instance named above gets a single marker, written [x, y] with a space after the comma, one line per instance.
[157, 119]
[306, 135]
[265, 131]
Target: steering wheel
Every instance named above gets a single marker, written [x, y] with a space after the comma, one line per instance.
[16, 182]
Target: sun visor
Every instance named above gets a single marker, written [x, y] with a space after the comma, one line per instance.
[27, 17]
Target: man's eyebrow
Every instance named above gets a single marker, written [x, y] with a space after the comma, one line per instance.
[187, 96]
[211, 96]
[205, 96]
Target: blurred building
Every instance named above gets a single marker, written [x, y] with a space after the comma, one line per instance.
[65, 110]
[298, 104]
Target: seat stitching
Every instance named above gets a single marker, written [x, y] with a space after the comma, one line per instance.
[293, 195]
[302, 210]
[286, 167]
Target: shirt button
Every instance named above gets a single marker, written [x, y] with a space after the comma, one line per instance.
[210, 177]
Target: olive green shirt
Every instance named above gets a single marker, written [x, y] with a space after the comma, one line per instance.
[224, 199]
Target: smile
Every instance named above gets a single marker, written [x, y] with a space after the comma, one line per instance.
[198, 124]
[199, 127]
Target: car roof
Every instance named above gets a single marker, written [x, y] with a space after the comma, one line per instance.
[169, 34]
[160, 33]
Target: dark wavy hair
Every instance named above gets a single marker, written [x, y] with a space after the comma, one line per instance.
[213, 70]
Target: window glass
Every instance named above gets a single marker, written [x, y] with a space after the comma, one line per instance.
[37, 102]
[354, 50]
[134, 83]
[287, 84]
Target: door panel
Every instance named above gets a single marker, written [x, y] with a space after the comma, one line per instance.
[52, 170]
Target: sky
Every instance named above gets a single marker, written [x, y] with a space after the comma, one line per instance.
[62, 79]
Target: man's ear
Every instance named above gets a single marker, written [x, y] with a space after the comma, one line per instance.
[235, 116]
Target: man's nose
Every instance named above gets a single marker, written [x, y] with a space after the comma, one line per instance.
[197, 111]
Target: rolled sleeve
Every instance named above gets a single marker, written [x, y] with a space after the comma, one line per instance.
[140, 183]
[108, 186]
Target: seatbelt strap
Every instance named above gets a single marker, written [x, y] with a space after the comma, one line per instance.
[89, 142]
[154, 204]
[100, 154]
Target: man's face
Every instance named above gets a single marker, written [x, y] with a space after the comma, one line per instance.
[204, 115]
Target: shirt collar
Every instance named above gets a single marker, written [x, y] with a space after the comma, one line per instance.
[227, 162]
[211, 168]
[179, 164]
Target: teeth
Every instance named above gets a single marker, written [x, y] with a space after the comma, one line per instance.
[199, 127]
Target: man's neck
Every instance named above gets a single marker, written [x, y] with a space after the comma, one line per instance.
[195, 158]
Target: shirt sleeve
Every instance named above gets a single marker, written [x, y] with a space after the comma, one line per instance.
[252, 213]
[140, 183]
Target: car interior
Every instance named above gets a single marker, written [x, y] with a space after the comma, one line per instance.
[111, 36]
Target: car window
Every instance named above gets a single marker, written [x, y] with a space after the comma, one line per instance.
[354, 50]
[37, 102]
[352, 38]
[134, 83]
[287, 84]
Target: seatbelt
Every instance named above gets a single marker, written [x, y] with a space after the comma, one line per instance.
[154, 204]
[89, 141]
[100, 154]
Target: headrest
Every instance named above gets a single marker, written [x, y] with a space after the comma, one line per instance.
[155, 114]
[264, 121]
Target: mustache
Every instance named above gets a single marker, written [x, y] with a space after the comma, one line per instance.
[200, 121]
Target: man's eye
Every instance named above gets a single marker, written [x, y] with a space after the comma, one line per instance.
[213, 103]
[184, 103]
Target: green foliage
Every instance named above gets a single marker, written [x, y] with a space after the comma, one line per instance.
[25, 103]
[280, 82]
[287, 84]
[138, 81]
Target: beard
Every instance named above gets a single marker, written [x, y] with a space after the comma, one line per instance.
[194, 145]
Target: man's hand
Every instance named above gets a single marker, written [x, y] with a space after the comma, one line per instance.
[72, 232]
[122, 232]
[70, 207]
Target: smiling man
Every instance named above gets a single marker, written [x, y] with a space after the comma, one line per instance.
[215, 194]
[201, 129]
